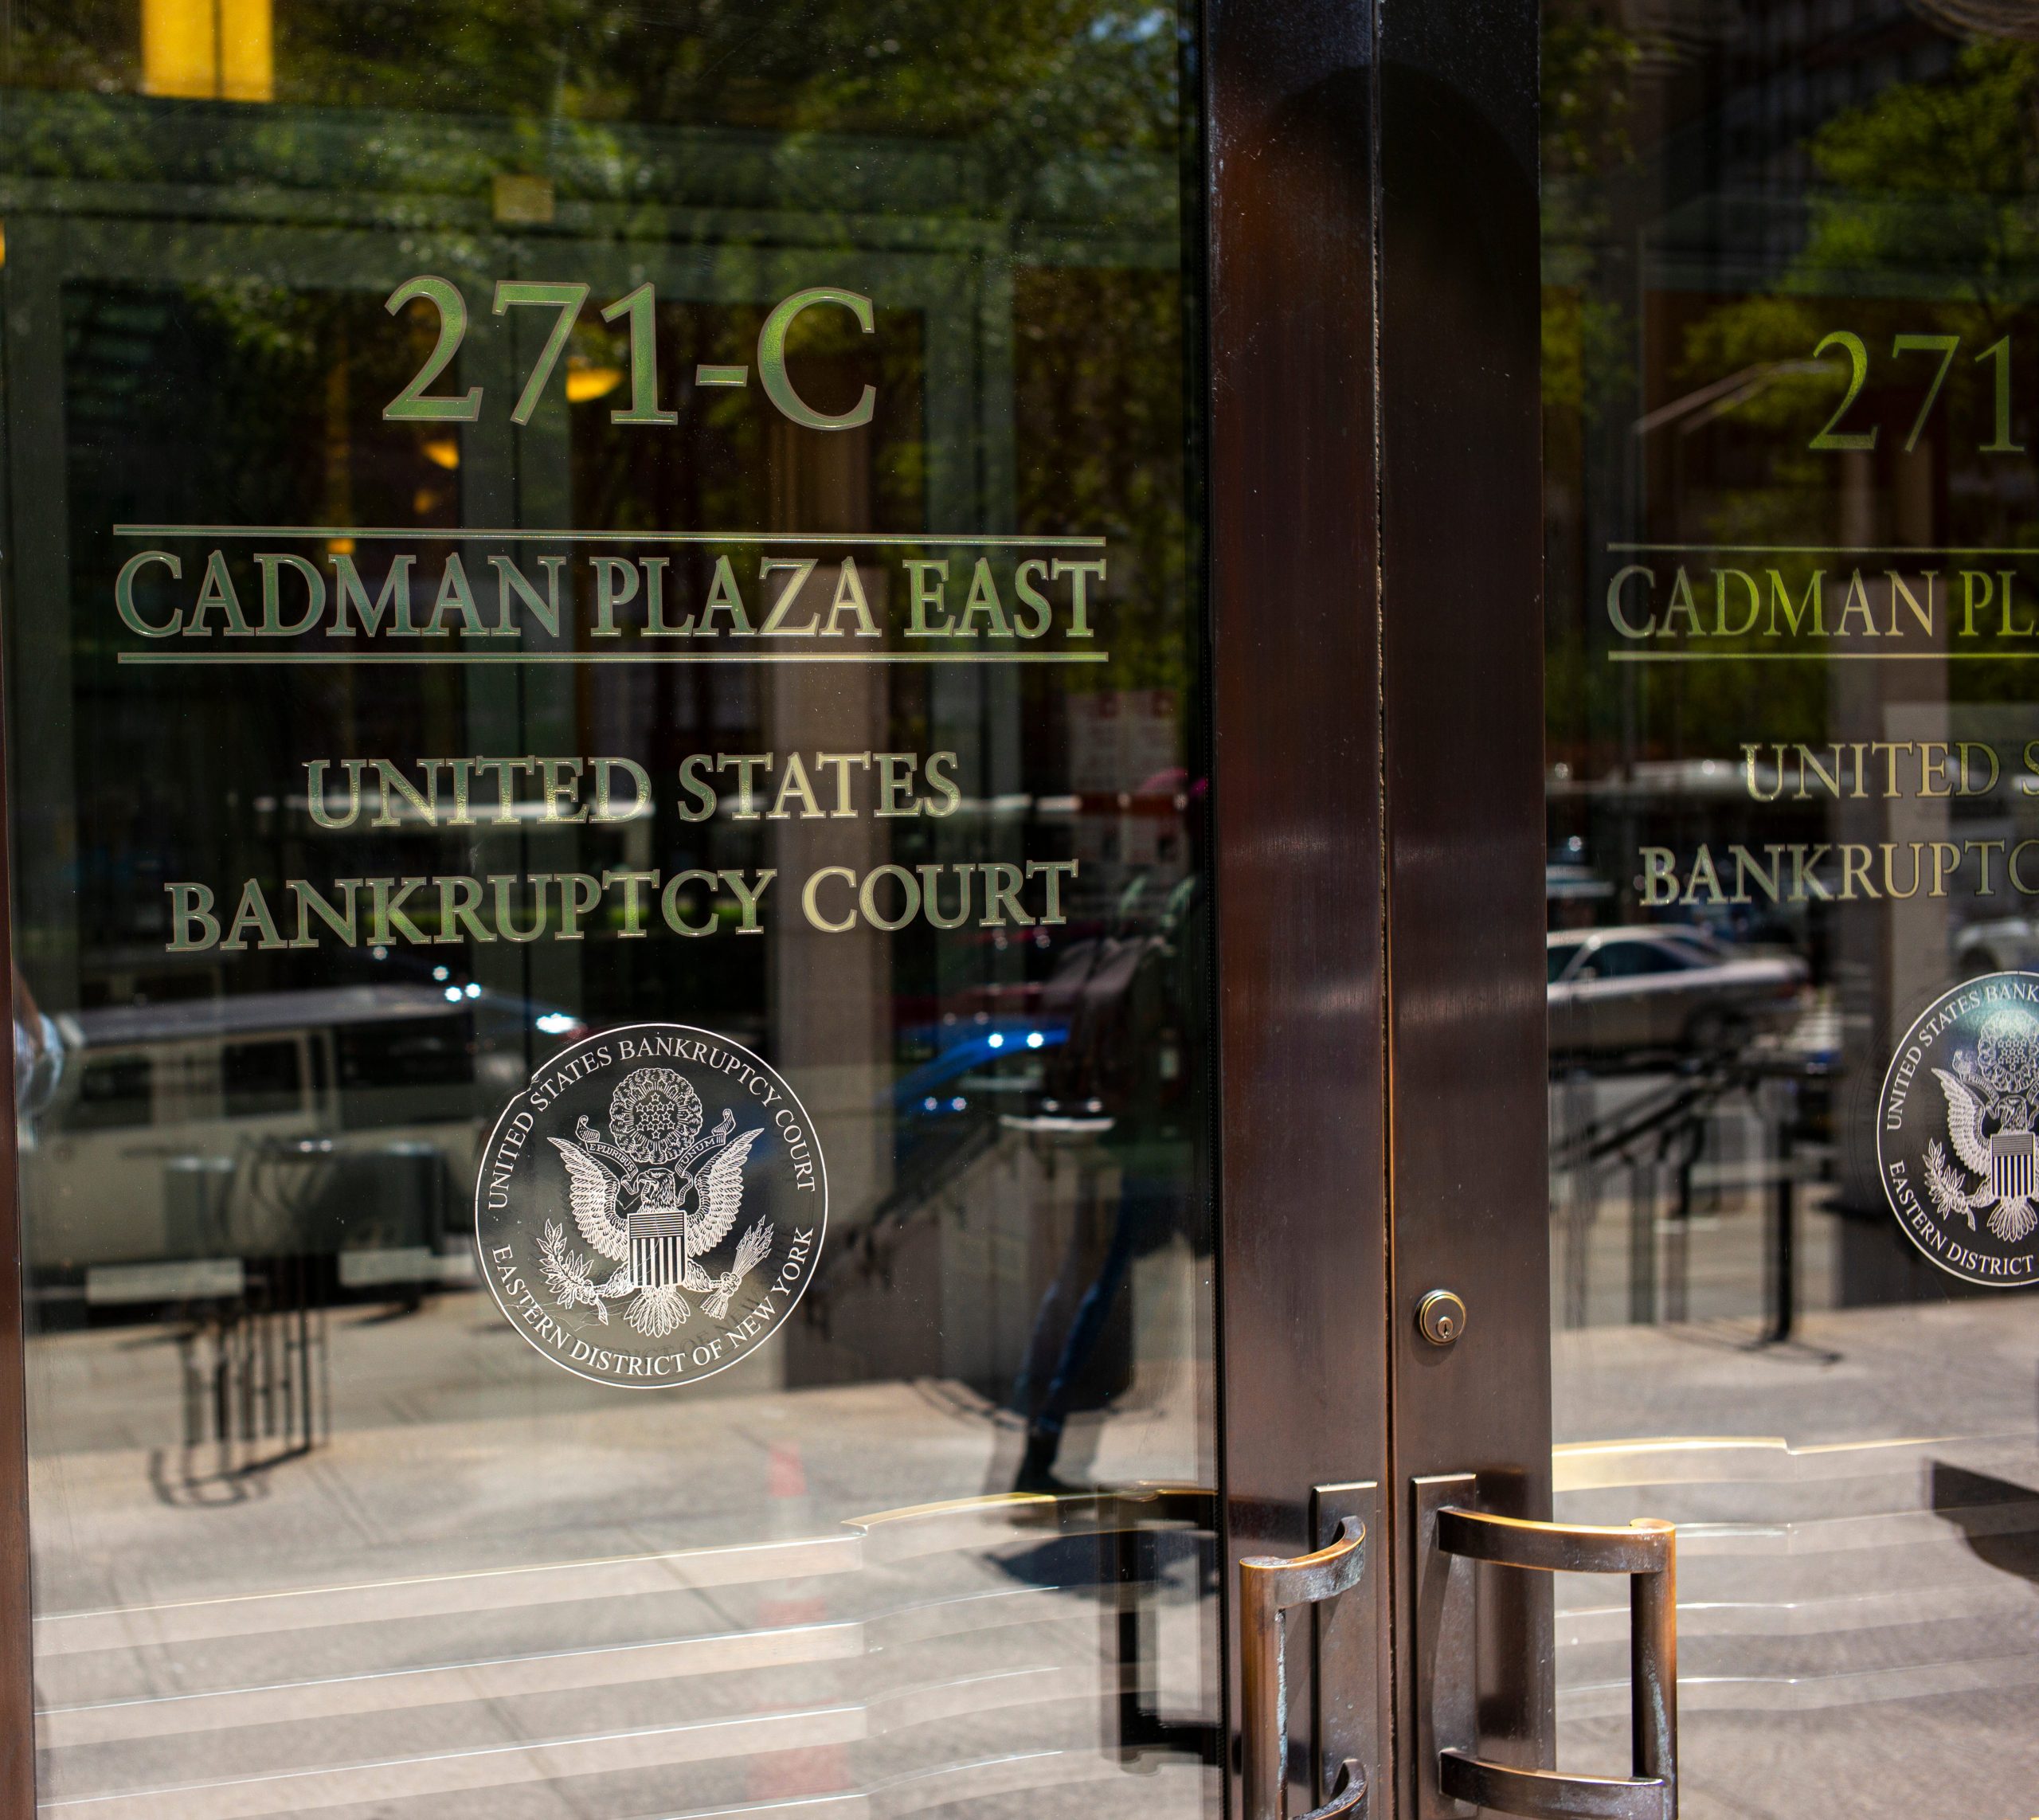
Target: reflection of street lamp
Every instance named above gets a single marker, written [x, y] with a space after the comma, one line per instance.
[209, 50]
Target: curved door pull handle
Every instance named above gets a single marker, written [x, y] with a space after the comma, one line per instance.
[1447, 1531]
[1268, 1586]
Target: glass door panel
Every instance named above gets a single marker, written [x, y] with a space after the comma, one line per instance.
[606, 692]
[1791, 365]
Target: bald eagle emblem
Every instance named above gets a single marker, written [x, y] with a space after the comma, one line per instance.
[1992, 1098]
[654, 1198]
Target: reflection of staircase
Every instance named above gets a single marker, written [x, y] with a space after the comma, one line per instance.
[1887, 1586]
[925, 1673]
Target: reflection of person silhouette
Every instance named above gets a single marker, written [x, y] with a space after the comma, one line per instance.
[1130, 999]
[1148, 1212]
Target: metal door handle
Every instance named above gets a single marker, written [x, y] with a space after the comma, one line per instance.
[1447, 1531]
[1268, 1586]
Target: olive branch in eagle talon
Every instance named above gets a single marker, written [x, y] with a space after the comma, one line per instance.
[567, 1274]
[650, 1167]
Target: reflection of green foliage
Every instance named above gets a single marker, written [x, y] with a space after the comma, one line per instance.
[1977, 133]
[1587, 60]
[1100, 432]
[1922, 217]
[1065, 75]
[1936, 177]
[1924, 223]
[1930, 177]
[1587, 63]
[1586, 358]
[94, 45]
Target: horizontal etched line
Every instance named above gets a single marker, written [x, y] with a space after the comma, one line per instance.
[598, 657]
[1822, 656]
[461, 533]
[304, 1608]
[537, 1762]
[177, 1715]
[1814, 549]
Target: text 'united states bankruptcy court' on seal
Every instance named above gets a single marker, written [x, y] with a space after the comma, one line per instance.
[1955, 1144]
[651, 1208]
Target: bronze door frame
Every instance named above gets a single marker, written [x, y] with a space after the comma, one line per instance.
[1376, 512]
[1296, 766]
[1375, 732]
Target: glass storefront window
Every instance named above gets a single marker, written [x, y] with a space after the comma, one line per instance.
[606, 639]
[1791, 367]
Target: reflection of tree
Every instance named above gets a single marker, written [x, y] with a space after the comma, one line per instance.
[1588, 60]
[1069, 75]
[1927, 222]
[1099, 424]
[1937, 180]
[1923, 218]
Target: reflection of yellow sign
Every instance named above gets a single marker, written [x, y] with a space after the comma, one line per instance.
[211, 50]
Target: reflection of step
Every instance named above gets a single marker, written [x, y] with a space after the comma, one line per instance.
[1827, 1577]
[968, 1653]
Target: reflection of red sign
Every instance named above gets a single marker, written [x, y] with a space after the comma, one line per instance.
[1126, 773]
[1120, 738]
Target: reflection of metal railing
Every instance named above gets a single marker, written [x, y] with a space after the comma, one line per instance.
[254, 1392]
[265, 1236]
[1663, 1130]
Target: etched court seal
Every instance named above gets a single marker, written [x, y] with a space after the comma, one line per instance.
[652, 1206]
[1956, 1144]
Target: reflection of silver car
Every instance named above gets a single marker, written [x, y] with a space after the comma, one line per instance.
[1616, 991]
[2003, 945]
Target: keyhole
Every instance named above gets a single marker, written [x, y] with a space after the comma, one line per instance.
[1441, 1318]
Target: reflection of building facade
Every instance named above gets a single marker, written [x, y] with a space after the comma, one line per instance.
[773, 782]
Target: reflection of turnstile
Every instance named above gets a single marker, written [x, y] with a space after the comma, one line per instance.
[1662, 1134]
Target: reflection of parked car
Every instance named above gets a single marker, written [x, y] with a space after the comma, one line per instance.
[1617, 991]
[2003, 945]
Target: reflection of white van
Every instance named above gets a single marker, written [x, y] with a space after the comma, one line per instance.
[271, 1124]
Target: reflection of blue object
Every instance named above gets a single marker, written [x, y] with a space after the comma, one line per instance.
[975, 1045]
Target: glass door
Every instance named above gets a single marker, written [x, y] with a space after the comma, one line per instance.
[610, 751]
[1784, 1075]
